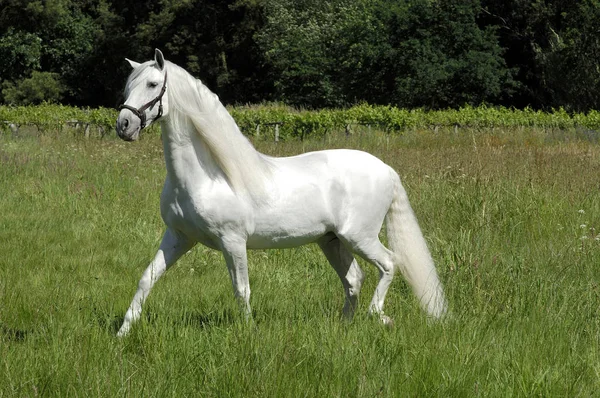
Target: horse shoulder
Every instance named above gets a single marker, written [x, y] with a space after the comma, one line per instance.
[204, 214]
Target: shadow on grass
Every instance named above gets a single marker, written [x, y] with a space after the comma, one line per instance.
[212, 319]
[194, 320]
[12, 334]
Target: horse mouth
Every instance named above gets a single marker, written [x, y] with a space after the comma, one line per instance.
[129, 136]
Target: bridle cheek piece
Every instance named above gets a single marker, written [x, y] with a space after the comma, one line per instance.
[141, 112]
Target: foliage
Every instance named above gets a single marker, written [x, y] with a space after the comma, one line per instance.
[554, 48]
[314, 54]
[294, 123]
[300, 40]
[570, 64]
[212, 40]
[20, 54]
[334, 53]
[54, 116]
[453, 63]
[40, 87]
[304, 123]
[61, 36]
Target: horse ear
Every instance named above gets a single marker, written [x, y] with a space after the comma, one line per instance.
[159, 58]
[132, 63]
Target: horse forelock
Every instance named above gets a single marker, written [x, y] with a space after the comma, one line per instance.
[136, 74]
[193, 106]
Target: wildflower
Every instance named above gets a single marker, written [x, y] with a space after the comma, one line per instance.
[583, 226]
[581, 211]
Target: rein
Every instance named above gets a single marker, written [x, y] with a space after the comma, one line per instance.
[141, 112]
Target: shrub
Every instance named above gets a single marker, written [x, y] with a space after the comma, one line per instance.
[40, 87]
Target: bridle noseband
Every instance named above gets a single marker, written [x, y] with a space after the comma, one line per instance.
[141, 112]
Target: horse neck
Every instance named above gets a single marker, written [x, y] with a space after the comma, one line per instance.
[187, 159]
[200, 122]
[191, 160]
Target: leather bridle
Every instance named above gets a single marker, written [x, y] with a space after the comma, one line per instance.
[141, 112]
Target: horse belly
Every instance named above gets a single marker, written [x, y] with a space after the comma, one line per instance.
[290, 227]
[280, 239]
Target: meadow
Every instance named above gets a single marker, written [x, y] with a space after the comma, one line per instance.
[511, 216]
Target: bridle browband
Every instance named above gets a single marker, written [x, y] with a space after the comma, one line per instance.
[141, 112]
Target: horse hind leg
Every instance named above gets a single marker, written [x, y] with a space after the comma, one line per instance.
[377, 254]
[347, 268]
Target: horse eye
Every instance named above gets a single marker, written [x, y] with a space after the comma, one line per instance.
[152, 84]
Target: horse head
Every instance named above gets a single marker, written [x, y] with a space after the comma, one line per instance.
[145, 99]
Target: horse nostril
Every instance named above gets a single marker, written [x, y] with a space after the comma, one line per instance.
[126, 123]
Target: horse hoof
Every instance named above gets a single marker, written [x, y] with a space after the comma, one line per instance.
[387, 321]
[124, 331]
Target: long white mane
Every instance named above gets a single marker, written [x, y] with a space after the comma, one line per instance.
[193, 105]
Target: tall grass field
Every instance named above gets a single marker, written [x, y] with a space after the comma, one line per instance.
[511, 216]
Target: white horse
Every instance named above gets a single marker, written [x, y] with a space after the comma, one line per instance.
[221, 192]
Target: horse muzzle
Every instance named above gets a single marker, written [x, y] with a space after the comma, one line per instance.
[128, 125]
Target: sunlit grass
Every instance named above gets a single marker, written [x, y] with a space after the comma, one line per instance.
[512, 218]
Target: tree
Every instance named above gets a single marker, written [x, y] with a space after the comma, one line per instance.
[54, 36]
[213, 41]
[443, 58]
[40, 87]
[20, 54]
[412, 54]
[570, 64]
[319, 52]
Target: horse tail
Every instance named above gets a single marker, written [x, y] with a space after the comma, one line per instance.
[411, 255]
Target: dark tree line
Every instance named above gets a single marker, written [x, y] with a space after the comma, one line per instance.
[310, 53]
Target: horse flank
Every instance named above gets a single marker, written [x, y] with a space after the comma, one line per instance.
[193, 105]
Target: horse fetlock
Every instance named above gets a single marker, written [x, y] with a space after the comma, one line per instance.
[350, 307]
[124, 330]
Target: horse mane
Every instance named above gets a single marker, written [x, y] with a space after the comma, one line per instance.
[193, 105]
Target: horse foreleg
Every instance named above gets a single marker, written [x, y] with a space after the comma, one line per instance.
[234, 251]
[171, 249]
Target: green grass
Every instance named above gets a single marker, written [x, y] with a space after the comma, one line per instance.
[512, 218]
